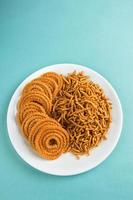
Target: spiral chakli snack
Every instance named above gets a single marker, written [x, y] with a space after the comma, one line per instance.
[36, 127]
[51, 142]
[37, 97]
[56, 77]
[31, 118]
[38, 86]
[51, 83]
[44, 134]
[32, 87]
[32, 106]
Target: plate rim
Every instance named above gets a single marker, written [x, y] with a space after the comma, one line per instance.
[84, 169]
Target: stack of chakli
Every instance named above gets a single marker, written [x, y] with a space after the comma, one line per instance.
[59, 114]
[44, 134]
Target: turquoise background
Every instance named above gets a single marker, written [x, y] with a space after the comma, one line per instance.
[94, 33]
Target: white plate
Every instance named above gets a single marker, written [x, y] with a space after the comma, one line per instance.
[67, 164]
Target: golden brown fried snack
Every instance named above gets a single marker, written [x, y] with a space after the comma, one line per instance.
[30, 118]
[37, 127]
[56, 77]
[38, 86]
[52, 85]
[82, 108]
[51, 142]
[34, 106]
[36, 97]
[32, 87]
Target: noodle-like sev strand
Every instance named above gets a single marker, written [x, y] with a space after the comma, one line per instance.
[82, 108]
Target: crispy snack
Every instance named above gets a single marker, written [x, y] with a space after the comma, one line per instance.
[34, 106]
[51, 83]
[82, 108]
[51, 142]
[56, 77]
[37, 97]
[29, 119]
[37, 127]
[59, 114]
[38, 86]
[32, 87]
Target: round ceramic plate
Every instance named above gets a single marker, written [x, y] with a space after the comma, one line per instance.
[67, 164]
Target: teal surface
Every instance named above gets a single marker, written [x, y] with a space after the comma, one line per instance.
[94, 33]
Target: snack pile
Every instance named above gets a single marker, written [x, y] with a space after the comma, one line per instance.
[44, 134]
[58, 114]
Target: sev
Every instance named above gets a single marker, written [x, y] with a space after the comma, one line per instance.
[82, 108]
